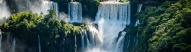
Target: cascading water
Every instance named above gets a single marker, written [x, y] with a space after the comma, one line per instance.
[96, 39]
[112, 17]
[137, 22]
[138, 10]
[4, 12]
[39, 46]
[139, 7]
[131, 38]
[119, 45]
[13, 46]
[114, 11]
[91, 40]
[46, 5]
[83, 39]
[75, 12]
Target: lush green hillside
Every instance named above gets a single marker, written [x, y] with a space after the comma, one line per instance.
[56, 36]
[165, 28]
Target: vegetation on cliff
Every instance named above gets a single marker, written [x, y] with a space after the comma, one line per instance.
[55, 36]
[165, 28]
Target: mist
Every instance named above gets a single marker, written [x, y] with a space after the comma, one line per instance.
[4, 12]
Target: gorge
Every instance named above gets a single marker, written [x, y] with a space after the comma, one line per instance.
[94, 26]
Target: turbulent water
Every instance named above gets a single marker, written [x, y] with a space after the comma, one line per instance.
[112, 17]
[75, 12]
[91, 39]
[119, 45]
[4, 12]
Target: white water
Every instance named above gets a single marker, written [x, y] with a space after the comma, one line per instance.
[138, 10]
[44, 7]
[83, 37]
[114, 11]
[4, 12]
[91, 40]
[13, 45]
[75, 12]
[112, 17]
[119, 45]
[85, 40]
[39, 46]
[137, 22]
[96, 38]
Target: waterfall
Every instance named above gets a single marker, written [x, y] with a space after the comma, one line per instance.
[39, 46]
[138, 10]
[129, 14]
[13, 46]
[83, 34]
[119, 45]
[92, 39]
[75, 12]
[114, 11]
[112, 17]
[55, 7]
[94, 34]
[85, 40]
[139, 7]
[137, 22]
[4, 12]
[46, 5]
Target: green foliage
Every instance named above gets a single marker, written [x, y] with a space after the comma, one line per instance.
[55, 36]
[165, 28]
[182, 47]
[124, 0]
[22, 25]
[130, 39]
